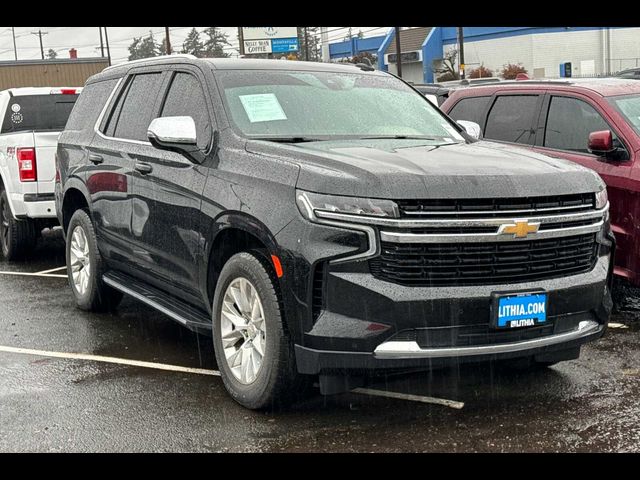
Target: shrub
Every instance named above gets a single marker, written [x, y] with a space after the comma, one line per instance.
[511, 71]
[481, 72]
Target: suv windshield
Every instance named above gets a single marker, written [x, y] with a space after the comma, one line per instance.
[38, 112]
[629, 107]
[327, 105]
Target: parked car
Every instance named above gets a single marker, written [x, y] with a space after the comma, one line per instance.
[593, 122]
[321, 221]
[632, 73]
[32, 119]
[434, 92]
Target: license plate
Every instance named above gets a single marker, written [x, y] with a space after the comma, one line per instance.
[519, 310]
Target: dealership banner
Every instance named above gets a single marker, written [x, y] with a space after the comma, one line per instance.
[270, 39]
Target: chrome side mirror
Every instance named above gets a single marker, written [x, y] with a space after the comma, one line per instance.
[177, 134]
[472, 128]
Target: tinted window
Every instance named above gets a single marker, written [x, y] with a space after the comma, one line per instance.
[569, 123]
[186, 98]
[137, 110]
[511, 119]
[470, 108]
[37, 112]
[89, 105]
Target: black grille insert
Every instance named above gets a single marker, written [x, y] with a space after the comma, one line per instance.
[493, 207]
[484, 263]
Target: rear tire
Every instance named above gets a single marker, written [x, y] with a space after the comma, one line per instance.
[275, 381]
[17, 237]
[85, 267]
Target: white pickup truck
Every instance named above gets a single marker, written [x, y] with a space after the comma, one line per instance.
[30, 121]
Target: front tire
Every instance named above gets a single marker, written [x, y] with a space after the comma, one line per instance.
[17, 237]
[252, 348]
[85, 267]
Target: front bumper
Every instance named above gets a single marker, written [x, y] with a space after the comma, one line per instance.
[426, 327]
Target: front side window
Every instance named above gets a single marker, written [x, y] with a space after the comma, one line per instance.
[512, 118]
[569, 123]
[329, 105]
[186, 98]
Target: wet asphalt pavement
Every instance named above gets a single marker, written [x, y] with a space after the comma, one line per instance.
[60, 405]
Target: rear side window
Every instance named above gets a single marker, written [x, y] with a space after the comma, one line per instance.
[88, 107]
[471, 109]
[134, 110]
[569, 123]
[511, 119]
[186, 98]
[37, 112]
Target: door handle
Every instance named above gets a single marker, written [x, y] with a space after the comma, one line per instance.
[143, 168]
[95, 159]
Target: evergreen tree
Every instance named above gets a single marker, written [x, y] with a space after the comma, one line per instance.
[143, 47]
[313, 37]
[52, 54]
[193, 45]
[215, 43]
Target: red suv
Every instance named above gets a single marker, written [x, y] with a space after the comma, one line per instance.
[594, 122]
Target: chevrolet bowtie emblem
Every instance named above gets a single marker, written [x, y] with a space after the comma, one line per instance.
[519, 229]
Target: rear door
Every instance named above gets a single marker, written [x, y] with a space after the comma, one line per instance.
[566, 122]
[117, 147]
[513, 117]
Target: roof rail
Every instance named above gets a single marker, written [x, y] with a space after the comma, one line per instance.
[160, 57]
[521, 82]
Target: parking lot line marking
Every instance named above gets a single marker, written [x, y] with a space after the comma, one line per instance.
[103, 359]
[52, 270]
[407, 396]
[28, 274]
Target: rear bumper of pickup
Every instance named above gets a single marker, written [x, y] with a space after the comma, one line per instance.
[33, 205]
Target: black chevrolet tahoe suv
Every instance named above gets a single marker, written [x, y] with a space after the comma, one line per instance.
[324, 223]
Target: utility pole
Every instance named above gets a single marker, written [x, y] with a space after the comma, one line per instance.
[324, 38]
[101, 43]
[306, 44]
[15, 50]
[166, 33]
[39, 33]
[461, 52]
[398, 52]
[106, 40]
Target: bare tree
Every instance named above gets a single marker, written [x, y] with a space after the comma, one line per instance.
[446, 67]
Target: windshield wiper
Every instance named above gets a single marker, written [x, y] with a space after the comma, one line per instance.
[287, 139]
[397, 137]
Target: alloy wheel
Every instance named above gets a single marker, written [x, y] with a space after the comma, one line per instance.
[80, 260]
[243, 330]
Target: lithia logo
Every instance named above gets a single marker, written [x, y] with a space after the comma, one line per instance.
[270, 31]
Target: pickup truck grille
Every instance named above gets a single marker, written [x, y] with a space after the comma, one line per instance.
[453, 264]
[495, 207]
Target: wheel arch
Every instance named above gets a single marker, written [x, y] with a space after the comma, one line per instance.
[75, 195]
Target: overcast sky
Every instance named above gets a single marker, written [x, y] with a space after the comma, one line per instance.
[87, 39]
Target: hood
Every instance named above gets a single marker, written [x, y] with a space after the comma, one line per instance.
[399, 169]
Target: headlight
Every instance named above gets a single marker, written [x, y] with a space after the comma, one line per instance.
[601, 198]
[309, 203]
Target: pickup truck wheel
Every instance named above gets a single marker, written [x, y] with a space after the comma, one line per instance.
[85, 267]
[17, 237]
[253, 350]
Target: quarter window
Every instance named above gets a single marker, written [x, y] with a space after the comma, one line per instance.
[512, 118]
[186, 98]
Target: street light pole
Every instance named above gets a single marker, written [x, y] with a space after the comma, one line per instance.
[15, 50]
[166, 33]
[106, 40]
[398, 52]
[101, 43]
[39, 33]
[461, 41]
